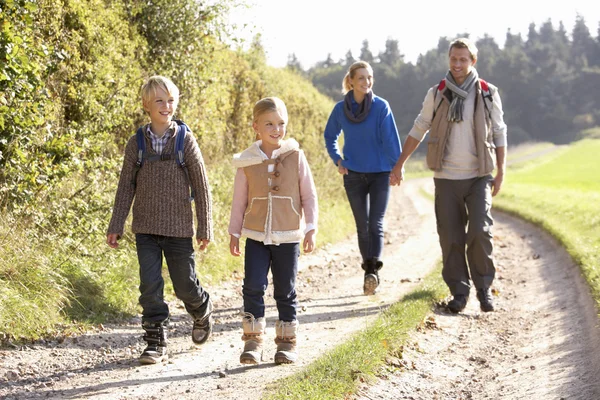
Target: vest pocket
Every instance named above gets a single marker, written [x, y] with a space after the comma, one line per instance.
[433, 149]
[489, 158]
[256, 214]
[284, 216]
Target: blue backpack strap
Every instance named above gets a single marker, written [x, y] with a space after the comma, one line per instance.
[141, 143]
[179, 153]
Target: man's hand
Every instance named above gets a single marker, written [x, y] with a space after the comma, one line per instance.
[497, 183]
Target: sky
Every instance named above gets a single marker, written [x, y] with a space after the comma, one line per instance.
[312, 29]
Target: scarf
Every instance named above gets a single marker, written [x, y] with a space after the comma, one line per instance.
[459, 94]
[363, 108]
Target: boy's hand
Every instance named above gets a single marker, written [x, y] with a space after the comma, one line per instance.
[234, 246]
[309, 241]
[203, 243]
[111, 240]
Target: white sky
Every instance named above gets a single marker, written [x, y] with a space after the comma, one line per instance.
[314, 28]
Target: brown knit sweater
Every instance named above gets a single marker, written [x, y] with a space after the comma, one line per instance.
[161, 204]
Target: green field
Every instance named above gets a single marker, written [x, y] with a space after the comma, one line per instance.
[561, 192]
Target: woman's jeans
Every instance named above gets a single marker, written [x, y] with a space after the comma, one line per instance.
[283, 261]
[368, 194]
[179, 254]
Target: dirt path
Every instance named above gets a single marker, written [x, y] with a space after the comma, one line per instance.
[544, 330]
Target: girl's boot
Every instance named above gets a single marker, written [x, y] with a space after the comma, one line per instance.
[286, 342]
[254, 330]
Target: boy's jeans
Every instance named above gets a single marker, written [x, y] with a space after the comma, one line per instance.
[283, 261]
[368, 194]
[179, 254]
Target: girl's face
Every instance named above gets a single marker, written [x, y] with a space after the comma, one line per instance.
[270, 127]
[362, 81]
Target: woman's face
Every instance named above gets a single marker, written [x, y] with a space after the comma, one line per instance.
[362, 81]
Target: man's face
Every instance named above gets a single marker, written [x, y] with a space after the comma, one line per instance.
[460, 63]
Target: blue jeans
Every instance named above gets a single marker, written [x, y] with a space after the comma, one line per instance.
[179, 254]
[283, 261]
[368, 194]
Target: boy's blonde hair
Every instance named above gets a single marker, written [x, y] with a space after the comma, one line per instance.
[269, 104]
[346, 86]
[464, 43]
[156, 82]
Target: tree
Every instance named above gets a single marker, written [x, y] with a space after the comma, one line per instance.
[365, 53]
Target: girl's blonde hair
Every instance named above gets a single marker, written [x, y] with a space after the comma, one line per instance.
[464, 43]
[156, 82]
[269, 104]
[346, 86]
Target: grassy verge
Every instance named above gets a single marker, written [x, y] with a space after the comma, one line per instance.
[340, 371]
[561, 193]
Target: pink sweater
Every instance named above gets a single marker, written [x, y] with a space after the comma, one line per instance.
[308, 192]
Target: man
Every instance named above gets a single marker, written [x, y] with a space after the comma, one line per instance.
[467, 136]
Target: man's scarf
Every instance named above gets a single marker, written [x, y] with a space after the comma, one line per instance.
[459, 94]
[363, 108]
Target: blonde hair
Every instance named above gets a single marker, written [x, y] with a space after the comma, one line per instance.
[346, 86]
[464, 43]
[269, 104]
[159, 82]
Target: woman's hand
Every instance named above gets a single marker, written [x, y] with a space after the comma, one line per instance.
[341, 169]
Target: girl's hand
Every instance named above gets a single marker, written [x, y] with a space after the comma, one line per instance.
[309, 241]
[234, 246]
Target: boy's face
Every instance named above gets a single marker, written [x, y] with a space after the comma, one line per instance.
[160, 106]
[270, 127]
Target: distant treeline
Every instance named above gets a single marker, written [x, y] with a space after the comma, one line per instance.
[549, 83]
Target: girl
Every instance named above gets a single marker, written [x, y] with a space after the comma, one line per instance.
[371, 149]
[275, 207]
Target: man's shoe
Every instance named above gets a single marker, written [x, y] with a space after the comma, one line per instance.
[203, 326]
[458, 303]
[485, 300]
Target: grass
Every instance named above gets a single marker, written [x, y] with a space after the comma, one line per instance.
[559, 191]
[340, 371]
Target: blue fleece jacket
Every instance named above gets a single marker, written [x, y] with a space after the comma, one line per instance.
[372, 145]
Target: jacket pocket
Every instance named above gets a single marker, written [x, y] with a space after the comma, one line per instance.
[256, 214]
[284, 215]
[489, 157]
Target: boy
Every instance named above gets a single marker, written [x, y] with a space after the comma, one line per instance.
[163, 219]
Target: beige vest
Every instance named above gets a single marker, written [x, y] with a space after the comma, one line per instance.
[274, 209]
[440, 130]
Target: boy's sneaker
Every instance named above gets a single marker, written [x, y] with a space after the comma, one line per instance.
[156, 337]
[154, 354]
[203, 326]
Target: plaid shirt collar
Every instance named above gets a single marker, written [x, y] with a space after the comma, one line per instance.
[158, 143]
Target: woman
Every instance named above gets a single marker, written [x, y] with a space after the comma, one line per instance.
[371, 149]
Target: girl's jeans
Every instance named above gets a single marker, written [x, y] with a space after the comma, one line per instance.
[368, 194]
[283, 261]
[179, 254]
